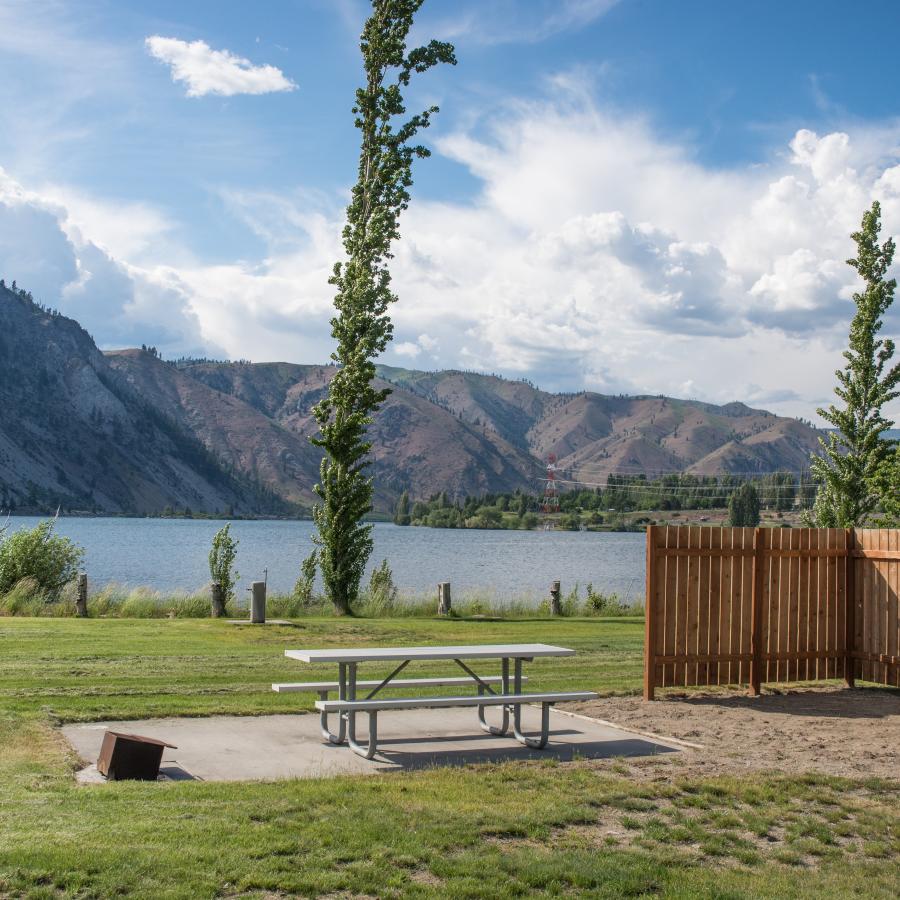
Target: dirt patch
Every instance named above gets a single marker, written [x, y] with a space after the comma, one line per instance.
[853, 733]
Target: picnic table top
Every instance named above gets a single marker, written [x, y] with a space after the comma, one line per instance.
[474, 651]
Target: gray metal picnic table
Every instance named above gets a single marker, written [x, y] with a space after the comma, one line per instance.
[510, 698]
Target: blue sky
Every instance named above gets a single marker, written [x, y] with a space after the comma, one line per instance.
[639, 195]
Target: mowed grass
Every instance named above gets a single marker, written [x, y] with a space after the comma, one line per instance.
[81, 670]
[512, 829]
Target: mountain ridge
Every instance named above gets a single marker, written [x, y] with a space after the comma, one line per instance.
[234, 436]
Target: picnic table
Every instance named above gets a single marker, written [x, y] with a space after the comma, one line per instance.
[510, 697]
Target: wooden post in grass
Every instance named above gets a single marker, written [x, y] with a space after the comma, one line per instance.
[555, 602]
[81, 597]
[218, 600]
[444, 598]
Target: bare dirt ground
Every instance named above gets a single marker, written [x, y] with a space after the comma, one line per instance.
[853, 733]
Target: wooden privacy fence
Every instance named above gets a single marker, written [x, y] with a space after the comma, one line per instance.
[748, 605]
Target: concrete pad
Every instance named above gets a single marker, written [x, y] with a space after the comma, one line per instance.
[239, 748]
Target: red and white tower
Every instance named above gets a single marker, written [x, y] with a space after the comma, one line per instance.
[550, 503]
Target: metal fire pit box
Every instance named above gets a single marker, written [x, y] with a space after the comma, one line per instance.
[130, 756]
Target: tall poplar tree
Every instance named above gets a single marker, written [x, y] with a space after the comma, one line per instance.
[362, 327]
[855, 455]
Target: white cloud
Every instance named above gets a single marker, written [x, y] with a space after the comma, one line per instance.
[408, 349]
[45, 251]
[207, 71]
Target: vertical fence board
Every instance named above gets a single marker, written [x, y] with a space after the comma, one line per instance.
[726, 611]
[745, 565]
[803, 603]
[652, 608]
[703, 537]
[893, 631]
[672, 538]
[829, 600]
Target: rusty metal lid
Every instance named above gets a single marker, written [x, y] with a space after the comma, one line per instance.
[143, 739]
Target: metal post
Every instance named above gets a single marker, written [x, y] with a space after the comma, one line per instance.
[258, 603]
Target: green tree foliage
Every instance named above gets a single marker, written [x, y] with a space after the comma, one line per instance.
[743, 507]
[50, 560]
[222, 555]
[362, 327]
[853, 456]
[401, 513]
[888, 486]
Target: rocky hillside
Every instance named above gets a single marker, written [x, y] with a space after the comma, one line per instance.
[259, 418]
[73, 434]
[125, 431]
[593, 435]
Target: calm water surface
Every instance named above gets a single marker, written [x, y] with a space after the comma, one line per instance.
[171, 554]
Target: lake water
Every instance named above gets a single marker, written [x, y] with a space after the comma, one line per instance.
[171, 554]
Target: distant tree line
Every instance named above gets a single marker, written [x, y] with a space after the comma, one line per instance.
[594, 506]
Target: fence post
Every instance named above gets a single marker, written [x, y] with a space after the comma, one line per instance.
[81, 596]
[649, 618]
[555, 604]
[756, 599]
[258, 603]
[218, 600]
[444, 598]
[850, 612]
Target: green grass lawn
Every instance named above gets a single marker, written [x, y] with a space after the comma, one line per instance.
[484, 831]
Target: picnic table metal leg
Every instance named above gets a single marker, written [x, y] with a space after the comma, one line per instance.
[504, 727]
[341, 736]
[368, 751]
[537, 743]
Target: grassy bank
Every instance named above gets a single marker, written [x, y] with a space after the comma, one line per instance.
[115, 601]
[497, 830]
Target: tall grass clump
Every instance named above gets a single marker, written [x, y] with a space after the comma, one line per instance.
[117, 602]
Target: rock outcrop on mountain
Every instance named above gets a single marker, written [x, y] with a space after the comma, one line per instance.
[75, 435]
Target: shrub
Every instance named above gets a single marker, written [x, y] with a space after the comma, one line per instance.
[303, 589]
[37, 553]
[600, 604]
[221, 561]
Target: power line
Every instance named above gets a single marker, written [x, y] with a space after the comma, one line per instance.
[629, 469]
[773, 491]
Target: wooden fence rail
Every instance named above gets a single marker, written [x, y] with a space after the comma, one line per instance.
[747, 606]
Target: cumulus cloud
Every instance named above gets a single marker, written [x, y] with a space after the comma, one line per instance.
[207, 71]
[45, 251]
